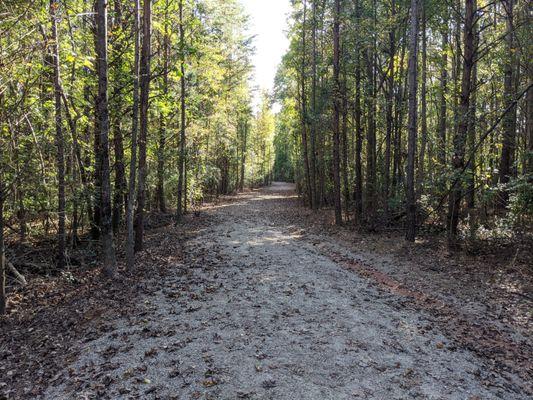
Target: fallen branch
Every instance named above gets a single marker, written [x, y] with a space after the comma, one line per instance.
[18, 276]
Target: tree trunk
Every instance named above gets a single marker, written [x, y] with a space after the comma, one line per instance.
[460, 135]
[97, 201]
[243, 152]
[314, 114]
[423, 104]
[102, 123]
[337, 104]
[344, 143]
[119, 200]
[120, 177]
[358, 200]
[371, 203]
[60, 143]
[442, 99]
[358, 196]
[509, 122]
[456, 65]
[303, 99]
[143, 133]
[411, 150]
[130, 245]
[180, 208]
[529, 129]
[389, 116]
[2, 246]
[397, 170]
[160, 191]
[471, 132]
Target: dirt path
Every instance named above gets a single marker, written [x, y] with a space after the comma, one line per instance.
[257, 312]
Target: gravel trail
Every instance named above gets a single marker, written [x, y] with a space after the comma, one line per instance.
[257, 312]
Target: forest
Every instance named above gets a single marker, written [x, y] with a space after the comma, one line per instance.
[123, 120]
[416, 113]
[115, 109]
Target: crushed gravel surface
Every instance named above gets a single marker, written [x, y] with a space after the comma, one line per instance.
[255, 311]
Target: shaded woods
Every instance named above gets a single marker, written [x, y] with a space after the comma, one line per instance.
[412, 114]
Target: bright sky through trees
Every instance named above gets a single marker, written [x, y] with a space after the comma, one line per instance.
[268, 22]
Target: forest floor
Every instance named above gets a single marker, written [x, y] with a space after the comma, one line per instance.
[260, 298]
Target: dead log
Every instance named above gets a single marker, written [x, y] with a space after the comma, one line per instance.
[18, 276]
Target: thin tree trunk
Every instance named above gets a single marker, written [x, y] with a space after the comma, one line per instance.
[471, 133]
[411, 151]
[337, 104]
[423, 105]
[102, 123]
[119, 195]
[460, 135]
[344, 143]
[130, 245]
[303, 99]
[529, 129]
[97, 201]
[358, 143]
[185, 183]
[2, 245]
[314, 114]
[389, 116]
[61, 237]
[397, 177]
[160, 191]
[120, 177]
[358, 197]
[243, 152]
[181, 184]
[509, 123]
[18, 187]
[371, 201]
[456, 65]
[442, 99]
[143, 133]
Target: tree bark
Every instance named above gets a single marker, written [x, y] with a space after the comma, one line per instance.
[442, 99]
[345, 150]
[161, 149]
[529, 129]
[507, 158]
[119, 195]
[314, 114]
[130, 245]
[2, 245]
[303, 99]
[389, 116]
[181, 184]
[460, 135]
[143, 133]
[471, 132]
[243, 151]
[397, 170]
[102, 123]
[412, 123]
[337, 105]
[120, 178]
[423, 103]
[371, 203]
[358, 196]
[60, 146]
